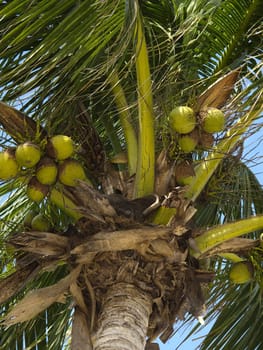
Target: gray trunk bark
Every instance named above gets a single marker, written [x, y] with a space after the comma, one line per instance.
[123, 322]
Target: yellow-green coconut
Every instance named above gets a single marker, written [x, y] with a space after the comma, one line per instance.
[8, 165]
[182, 119]
[28, 154]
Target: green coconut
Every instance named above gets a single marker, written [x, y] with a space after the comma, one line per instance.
[40, 223]
[28, 154]
[29, 217]
[241, 272]
[188, 142]
[182, 119]
[60, 147]
[184, 173]
[46, 172]
[8, 165]
[212, 120]
[70, 170]
[36, 191]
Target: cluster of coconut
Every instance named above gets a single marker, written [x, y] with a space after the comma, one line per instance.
[195, 129]
[44, 167]
[191, 131]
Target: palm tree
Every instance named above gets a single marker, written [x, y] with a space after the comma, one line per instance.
[130, 249]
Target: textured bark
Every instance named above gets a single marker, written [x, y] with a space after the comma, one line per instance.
[123, 322]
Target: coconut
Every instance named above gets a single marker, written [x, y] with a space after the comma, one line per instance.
[36, 191]
[69, 171]
[184, 173]
[241, 272]
[182, 119]
[29, 217]
[206, 140]
[47, 171]
[28, 154]
[188, 142]
[212, 120]
[40, 223]
[60, 147]
[8, 165]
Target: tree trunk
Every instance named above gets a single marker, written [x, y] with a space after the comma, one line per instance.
[123, 321]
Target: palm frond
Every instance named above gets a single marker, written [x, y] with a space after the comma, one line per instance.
[227, 47]
[240, 308]
[48, 329]
[229, 305]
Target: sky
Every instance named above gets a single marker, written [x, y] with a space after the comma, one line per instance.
[190, 344]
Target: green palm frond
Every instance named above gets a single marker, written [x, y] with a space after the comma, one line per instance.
[229, 306]
[241, 307]
[227, 47]
[81, 48]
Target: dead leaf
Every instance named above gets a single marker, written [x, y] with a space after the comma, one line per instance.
[38, 300]
[120, 240]
[93, 200]
[80, 336]
[43, 243]
[17, 124]
[164, 172]
[15, 282]
[152, 346]
[161, 247]
[75, 291]
[218, 93]
[234, 245]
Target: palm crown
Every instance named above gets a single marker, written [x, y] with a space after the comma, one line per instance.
[108, 74]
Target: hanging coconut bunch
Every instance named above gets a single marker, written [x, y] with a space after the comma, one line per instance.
[55, 165]
[193, 130]
[42, 165]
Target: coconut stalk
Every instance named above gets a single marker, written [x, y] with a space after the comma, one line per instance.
[129, 132]
[209, 165]
[231, 257]
[222, 233]
[123, 322]
[144, 180]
